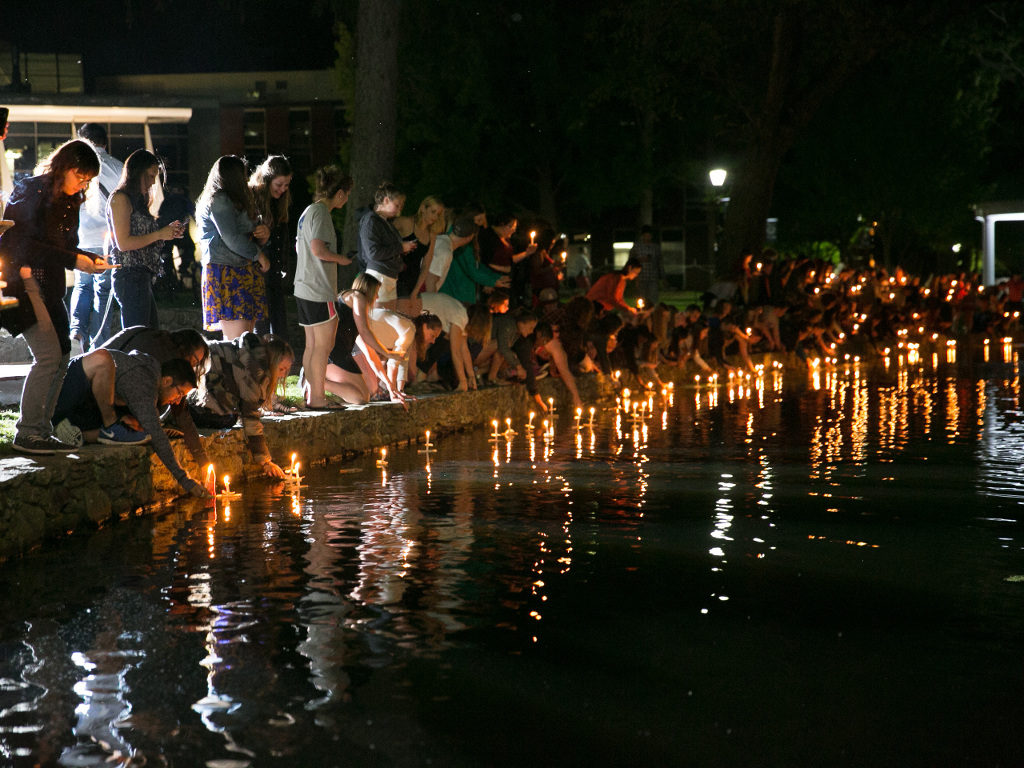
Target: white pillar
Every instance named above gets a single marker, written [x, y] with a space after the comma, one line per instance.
[988, 241]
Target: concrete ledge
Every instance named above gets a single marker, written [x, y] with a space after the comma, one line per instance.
[45, 497]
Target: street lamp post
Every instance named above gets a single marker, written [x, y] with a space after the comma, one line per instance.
[717, 178]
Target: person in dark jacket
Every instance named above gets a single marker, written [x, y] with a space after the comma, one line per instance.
[36, 251]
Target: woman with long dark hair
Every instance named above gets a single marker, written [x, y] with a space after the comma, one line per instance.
[243, 376]
[41, 245]
[137, 240]
[270, 184]
[232, 244]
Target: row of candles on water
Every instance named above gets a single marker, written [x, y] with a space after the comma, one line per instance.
[292, 476]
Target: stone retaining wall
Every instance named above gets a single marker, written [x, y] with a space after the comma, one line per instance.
[42, 498]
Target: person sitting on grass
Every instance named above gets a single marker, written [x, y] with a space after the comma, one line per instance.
[115, 398]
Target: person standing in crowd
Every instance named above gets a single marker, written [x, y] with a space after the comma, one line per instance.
[90, 298]
[137, 240]
[316, 278]
[270, 184]
[232, 243]
[423, 231]
[41, 245]
[648, 253]
[465, 274]
[380, 246]
[177, 206]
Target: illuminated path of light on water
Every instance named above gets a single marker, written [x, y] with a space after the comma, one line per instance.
[764, 573]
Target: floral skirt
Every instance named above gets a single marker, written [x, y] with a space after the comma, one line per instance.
[232, 293]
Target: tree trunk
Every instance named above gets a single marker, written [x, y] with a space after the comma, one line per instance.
[647, 159]
[375, 109]
[546, 195]
[750, 203]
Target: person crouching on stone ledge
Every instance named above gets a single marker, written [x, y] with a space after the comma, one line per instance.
[185, 344]
[116, 399]
[243, 375]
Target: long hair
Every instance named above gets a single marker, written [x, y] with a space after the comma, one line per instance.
[441, 223]
[135, 167]
[479, 326]
[75, 155]
[273, 211]
[277, 350]
[228, 176]
[368, 285]
[426, 320]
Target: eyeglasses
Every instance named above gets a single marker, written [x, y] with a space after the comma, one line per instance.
[83, 178]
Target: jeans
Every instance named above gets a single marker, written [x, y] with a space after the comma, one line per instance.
[89, 299]
[83, 321]
[133, 288]
[103, 308]
[49, 365]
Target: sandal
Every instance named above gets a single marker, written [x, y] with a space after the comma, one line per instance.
[284, 408]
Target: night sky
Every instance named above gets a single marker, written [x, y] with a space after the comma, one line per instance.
[153, 36]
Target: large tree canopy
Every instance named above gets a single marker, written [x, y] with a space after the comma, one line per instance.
[613, 117]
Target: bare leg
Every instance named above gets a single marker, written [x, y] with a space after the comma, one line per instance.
[100, 371]
[461, 359]
[319, 340]
[232, 329]
[350, 387]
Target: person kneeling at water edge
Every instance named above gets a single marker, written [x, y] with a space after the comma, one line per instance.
[243, 375]
[104, 384]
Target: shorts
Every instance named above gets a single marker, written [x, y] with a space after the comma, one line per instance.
[388, 286]
[75, 401]
[311, 313]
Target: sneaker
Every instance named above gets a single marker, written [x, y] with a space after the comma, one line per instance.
[120, 434]
[77, 348]
[69, 434]
[40, 445]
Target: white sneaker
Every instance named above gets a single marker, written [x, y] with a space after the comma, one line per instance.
[68, 433]
[76, 346]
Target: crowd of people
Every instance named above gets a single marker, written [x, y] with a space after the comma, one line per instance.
[446, 298]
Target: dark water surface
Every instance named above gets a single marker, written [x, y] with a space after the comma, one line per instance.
[808, 577]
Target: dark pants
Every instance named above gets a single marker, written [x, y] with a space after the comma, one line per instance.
[133, 289]
[275, 319]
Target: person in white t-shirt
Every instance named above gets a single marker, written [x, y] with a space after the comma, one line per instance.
[316, 279]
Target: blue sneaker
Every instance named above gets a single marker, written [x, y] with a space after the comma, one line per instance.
[121, 434]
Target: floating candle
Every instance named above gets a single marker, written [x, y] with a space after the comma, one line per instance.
[382, 462]
[211, 479]
[529, 424]
[427, 446]
[591, 422]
